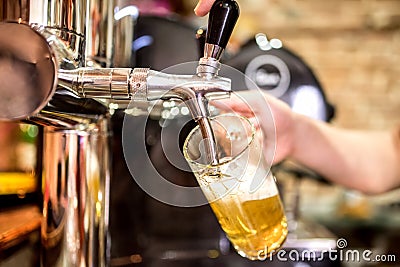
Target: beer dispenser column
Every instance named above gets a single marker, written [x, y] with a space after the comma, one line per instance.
[45, 81]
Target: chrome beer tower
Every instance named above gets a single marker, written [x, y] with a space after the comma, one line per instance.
[57, 70]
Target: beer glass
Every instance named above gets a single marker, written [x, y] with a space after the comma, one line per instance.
[241, 189]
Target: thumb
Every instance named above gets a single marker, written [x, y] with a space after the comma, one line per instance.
[203, 7]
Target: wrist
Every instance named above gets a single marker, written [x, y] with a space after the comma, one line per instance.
[301, 127]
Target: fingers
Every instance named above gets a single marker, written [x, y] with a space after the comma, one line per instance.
[246, 102]
[235, 103]
[203, 7]
[256, 107]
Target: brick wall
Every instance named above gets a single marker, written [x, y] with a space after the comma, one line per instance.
[353, 46]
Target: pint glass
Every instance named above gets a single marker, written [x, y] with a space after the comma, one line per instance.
[240, 188]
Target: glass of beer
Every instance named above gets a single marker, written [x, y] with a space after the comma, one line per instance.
[241, 189]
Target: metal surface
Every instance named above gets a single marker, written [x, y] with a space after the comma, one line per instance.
[27, 71]
[212, 50]
[14, 10]
[125, 19]
[99, 32]
[76, 192]
[66, 19]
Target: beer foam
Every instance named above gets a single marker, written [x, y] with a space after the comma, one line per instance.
[252, 184]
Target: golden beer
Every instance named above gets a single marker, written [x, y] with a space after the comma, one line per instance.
[255, 227]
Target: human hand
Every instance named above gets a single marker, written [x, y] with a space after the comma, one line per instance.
[203, 7]
[273, 116]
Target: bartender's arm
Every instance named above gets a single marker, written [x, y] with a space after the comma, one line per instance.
[365, 160]
[368, 161]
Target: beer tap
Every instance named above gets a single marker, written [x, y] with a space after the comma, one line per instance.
[44, 79]
[222, 19]
[59, 70]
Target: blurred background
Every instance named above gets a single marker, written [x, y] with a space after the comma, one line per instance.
[352, 47]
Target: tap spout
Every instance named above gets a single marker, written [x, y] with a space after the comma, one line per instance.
[142, 84]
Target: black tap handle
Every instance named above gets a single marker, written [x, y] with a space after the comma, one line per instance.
[221, 21]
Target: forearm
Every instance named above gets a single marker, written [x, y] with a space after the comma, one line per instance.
[367, 161]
